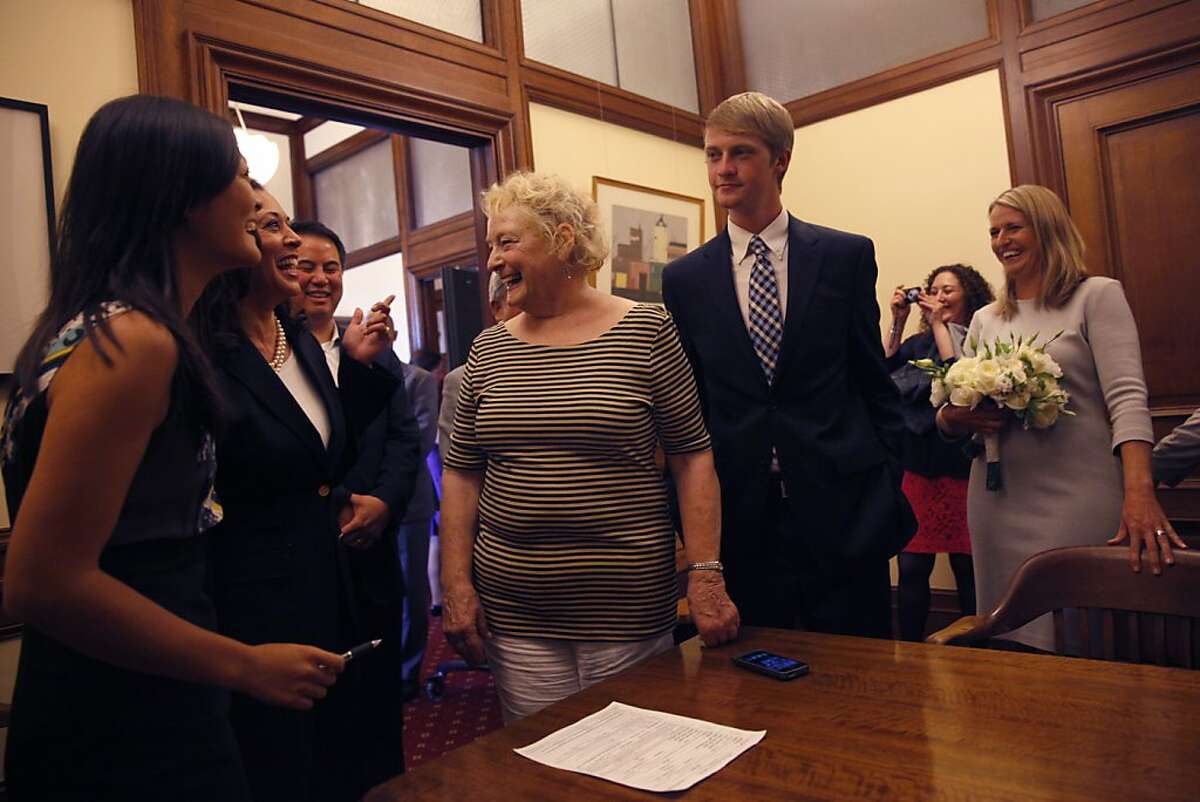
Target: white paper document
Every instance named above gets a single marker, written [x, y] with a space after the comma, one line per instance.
[642, 748]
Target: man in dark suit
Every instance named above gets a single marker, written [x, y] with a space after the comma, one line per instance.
[780, 322]
[378, 487]
[416, 527]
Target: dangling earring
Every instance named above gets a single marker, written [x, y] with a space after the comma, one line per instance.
[566, 269]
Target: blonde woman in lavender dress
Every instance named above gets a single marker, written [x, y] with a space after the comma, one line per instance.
[1087, 478]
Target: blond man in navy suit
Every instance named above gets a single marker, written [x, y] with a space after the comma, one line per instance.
[780, 322]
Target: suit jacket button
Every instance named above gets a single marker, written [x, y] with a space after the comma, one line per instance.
[323, 491]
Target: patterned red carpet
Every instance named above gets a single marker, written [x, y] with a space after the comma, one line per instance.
[467, 710]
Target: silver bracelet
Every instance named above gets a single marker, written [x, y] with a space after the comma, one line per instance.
[710, 565]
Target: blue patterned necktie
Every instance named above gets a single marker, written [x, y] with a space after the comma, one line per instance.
[766, 317]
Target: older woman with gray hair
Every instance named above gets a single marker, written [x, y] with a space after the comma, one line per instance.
[557, 543]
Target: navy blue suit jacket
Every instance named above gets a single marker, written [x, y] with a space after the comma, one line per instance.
[832, 414]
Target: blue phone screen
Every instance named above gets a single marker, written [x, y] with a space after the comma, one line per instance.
[774, 662]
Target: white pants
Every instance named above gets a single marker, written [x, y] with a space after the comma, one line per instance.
[532, 673]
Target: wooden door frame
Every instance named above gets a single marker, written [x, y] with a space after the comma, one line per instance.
[212, 65]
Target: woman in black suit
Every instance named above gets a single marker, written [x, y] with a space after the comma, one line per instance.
[277, 564]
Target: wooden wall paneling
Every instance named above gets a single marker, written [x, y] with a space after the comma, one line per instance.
[374, 251]
[345, 149]
[428, 75]
[306, 124]
[263, 122]
[158, 31]
[1131, 165]
[1094, 16]
[302, 188]
[1008, 19]
[507, 15]
[483, 174]
[575, 93]
[1158, 26]
[442, 243]
[899, 81]
[412, 297]
[717, 49]
[371, 23]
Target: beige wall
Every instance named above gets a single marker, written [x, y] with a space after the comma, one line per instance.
[72, 55]
[915, 175]
[578, 148]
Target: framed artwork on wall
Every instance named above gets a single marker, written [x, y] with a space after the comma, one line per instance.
[647, 229]
[26, 221]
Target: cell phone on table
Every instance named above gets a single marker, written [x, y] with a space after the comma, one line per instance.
[771, 664]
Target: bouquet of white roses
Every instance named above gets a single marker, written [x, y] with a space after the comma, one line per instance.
[1017, 375]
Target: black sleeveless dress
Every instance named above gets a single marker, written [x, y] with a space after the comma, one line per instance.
[82, 729]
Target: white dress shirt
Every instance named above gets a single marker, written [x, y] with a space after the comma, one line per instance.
[333, 354]
[306, 395]
[775, 235]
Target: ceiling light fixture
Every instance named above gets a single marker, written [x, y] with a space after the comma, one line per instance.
[261, 154]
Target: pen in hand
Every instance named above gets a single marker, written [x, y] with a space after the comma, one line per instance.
[361, 649]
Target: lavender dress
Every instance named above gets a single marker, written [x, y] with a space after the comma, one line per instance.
[1063, 485]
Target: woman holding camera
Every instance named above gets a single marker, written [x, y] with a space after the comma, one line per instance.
[935, 471]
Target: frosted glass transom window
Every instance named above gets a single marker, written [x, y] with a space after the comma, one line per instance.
[356, 197]
[440, 176]
[795, 49]
[644, 46]
[460, 17]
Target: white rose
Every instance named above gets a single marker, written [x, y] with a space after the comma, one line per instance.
[961, 373]
[1017, 401]
[937, 393]
[1016, 374]
[965, 397]
[987, 377]
[1044, 416]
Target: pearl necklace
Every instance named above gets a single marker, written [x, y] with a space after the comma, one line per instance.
[280, 346]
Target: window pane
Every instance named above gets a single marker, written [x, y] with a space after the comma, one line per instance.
[573, 35]
[356, 197]
[460, 17]
[654, 50]
[1044, 9]
[441, 180]
[370, 282]
[797, 49]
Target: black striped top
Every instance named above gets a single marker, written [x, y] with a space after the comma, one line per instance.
[575, 540]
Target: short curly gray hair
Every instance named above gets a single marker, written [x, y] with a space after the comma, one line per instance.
[550, 201]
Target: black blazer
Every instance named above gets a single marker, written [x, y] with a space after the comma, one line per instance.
[387, 466]
[278, 570]
[832, 414]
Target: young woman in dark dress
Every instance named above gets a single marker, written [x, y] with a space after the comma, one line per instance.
[935, 470]
[108, 465]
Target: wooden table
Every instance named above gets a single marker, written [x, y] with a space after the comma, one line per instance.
[874, 720]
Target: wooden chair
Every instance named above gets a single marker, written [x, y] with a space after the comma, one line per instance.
[1136, 618]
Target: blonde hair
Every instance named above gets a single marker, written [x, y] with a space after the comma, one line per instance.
[758, 115]
[1060, 242]
[549, 201]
